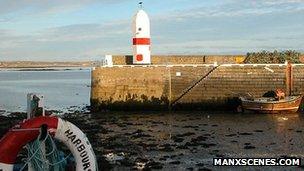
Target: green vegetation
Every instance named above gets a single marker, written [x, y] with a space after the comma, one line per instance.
[273, 57]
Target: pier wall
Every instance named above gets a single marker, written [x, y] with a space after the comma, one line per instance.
[132, 87]
[298, 79]
[183, 59]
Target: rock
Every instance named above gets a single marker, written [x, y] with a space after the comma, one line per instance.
[189, 144]
[166, 148]
[139, 131]
[220, 155]
[103, 164]
[207, 145]
[249, 147]
[199, 139]
[245, 133]
[139, 134]
[200, 164]
[156, 165]
[139, 159]
[175, 162]
[182, 147]
[173, 156]
[188, 134]
[230, 135]
[190, 126]
[121, 125]
[162, 159]
[302, 166]
[204, 169]
[140, 165]
[177, 139]
[114, 158]
[258, 130]
[104, 131]
[127, 163]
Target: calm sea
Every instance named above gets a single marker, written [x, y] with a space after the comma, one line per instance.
[61, 88]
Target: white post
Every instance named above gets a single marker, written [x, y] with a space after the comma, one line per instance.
[109, 60]
[35, 105]
[35, 108]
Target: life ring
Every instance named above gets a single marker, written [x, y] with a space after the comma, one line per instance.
[61, 130]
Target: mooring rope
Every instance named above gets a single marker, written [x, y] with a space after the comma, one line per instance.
[187, 90]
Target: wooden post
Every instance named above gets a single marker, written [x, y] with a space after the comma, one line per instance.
[35, 108]
[35, 105]
[289, 79]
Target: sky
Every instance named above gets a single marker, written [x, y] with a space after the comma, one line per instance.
[81, 30]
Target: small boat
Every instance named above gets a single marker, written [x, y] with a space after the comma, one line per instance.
[272, 105]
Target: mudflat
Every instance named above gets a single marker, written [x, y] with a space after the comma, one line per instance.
[184, 140]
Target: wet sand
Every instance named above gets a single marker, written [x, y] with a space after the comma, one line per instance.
[185, 140]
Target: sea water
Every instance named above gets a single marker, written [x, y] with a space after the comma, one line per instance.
[62, 89]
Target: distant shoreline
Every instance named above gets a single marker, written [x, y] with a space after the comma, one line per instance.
[32, 64]
[44, 68]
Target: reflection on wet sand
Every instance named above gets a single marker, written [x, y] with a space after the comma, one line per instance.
[284, 120]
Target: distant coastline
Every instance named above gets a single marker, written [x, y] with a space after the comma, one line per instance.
[25, 65]
[46, 69]
[156, 60]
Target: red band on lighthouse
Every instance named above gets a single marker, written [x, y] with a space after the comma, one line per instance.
[141, 41]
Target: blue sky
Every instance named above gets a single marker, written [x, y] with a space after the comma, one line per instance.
[63, 30]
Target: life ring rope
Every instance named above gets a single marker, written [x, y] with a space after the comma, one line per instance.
[39, 162]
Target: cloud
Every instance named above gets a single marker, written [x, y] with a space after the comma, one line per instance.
[79, 41]
[235, 8]
[280, 2]
[234, 27]
[230, 27]
[11, 40]
[12, 6]
[240, 46]
[84, 32]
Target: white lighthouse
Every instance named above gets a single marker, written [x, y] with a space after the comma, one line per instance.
[141, 38]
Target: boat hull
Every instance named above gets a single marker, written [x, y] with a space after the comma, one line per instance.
[283, 106]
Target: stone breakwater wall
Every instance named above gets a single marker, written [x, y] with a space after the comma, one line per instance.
[182, 59]
[187, 59]
[155, 87]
